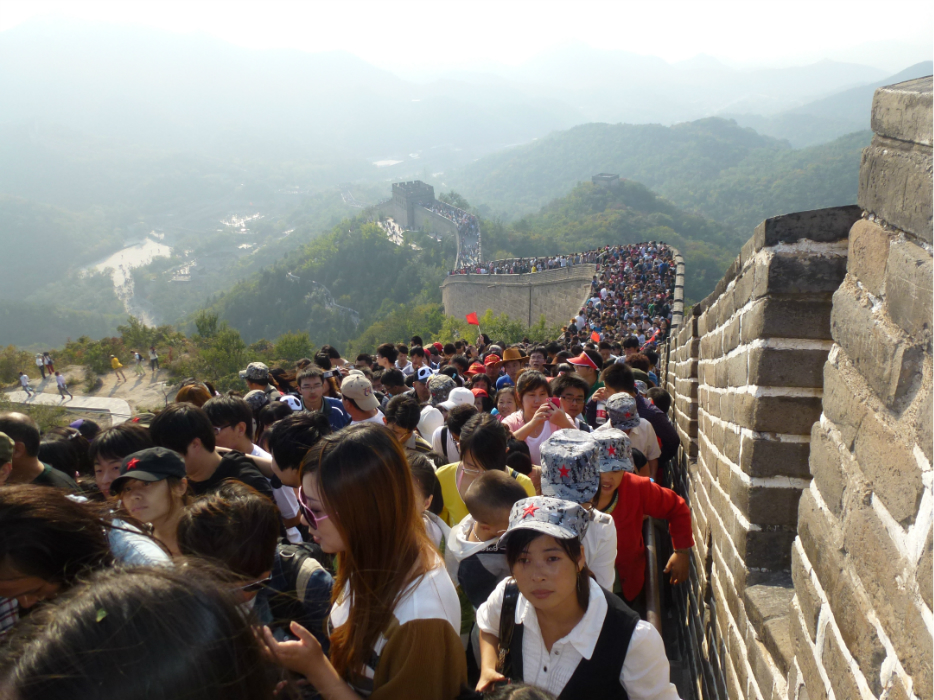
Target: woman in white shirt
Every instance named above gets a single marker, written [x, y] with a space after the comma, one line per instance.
[537, 417]
[395, 622]
[565, 634]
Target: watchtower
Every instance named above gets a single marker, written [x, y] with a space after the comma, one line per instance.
[408, 195]
[605, 180]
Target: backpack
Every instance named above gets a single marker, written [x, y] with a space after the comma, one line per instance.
[296, 563]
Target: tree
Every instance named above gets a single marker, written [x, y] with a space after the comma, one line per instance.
[206, 323]
[293, 346]
[455, 200]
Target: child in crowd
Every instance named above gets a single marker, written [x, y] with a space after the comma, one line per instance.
[506, 402]
[428, 490]
[570, 471]
[628, 499]
[472, 555]
[624, 415]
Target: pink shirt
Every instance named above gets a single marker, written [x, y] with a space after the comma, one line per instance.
[516, 421]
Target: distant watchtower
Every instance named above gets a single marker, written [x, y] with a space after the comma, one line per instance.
[408, 195]
[605, 180]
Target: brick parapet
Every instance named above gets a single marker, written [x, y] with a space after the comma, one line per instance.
[862, 562]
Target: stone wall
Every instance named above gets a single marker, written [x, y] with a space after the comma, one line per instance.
[861, 563]
[812, 358]
[556, 294]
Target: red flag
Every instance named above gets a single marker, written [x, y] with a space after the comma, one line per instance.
[595, 337]
[472, 319]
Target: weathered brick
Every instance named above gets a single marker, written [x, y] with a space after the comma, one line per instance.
[777, 414]
[822, 225]
[889, 364]
[895, 185]
[730, 445]
[913, 642]
[808, 597]
[908, 285]
[841, 402]
[786, 318]
[903, 111]
[736, 369]
[890, 468]
[838, 671]
[765, 505]
[769, 549]
[807, 661]
[827, 469]
[774, 367]
[868, 253]
[777, 639]
[742, 290]
[765, 457]
[787, 273]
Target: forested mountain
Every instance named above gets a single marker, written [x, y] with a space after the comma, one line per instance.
[711, 167]
[342, 286]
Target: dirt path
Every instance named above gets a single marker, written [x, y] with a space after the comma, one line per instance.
[142, 393]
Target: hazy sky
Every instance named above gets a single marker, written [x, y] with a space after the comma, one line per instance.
[427, 35]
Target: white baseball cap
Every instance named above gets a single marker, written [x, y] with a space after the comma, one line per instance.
[459, 396]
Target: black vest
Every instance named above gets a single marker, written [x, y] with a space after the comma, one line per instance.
[598, 676]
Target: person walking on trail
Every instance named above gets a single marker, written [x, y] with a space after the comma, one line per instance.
[40, 363]
[117, 367]
[138, 367]
[62, 386]
[49, 365]
[24, 382]
[154, 359]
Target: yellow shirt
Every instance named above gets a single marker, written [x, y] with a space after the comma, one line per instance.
[115, 363]
[454, 509]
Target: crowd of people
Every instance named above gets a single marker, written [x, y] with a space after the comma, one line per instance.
[430, 521]
[522, 266]
[468, 231]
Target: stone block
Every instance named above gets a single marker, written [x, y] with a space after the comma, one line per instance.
[742, 290]
[765, 505]
[908, 285]
[787, 318]
[807, 661]
[777, 639]
[821, 225]
[925, 573]
[868, 253]
[808, 597]
[730, 445]
[797, 368]
[789, 273]
[890, 467]
[842, 679]
[903, 111]
[765, 457]
[769, 549]
[827, 469]
[842, 404]
[737, 370]
[895, 185]
[764, 603]
[888, 362]
[777, 414]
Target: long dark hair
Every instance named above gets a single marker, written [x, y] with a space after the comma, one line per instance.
[139, 634]
[519, 541]
[365, 483]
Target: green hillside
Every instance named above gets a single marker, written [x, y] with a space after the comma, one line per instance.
[591, 216]
[710, 167]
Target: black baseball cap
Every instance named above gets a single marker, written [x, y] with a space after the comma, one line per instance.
[152, 464]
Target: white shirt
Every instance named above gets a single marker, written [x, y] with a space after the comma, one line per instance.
[600, 548]
[453, 452]
[378, 419]
[285, 499]
[645, 673]
[407, 369]
[60, 380]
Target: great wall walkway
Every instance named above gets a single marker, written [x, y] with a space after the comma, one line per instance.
[118, 409]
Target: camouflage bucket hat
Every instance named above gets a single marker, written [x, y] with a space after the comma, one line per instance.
[563, 520]
[440, 386]
[622, 412]
[570, 469]
[614, 450]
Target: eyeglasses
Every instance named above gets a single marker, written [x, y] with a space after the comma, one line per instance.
[219, 428]
[256, 586]
[467, 470]
[312, 519]
[574, 400]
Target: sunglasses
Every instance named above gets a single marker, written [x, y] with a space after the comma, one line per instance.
[312, 519]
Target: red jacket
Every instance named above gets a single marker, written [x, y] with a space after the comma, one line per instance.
[638, 496]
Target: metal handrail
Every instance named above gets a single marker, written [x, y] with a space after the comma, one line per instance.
[653, 596]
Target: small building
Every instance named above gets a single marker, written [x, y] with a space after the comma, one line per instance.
[605, 180]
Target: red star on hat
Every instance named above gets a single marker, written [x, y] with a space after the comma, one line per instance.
[564, 471]
[529, 510]
[611, 451]
[132, 464]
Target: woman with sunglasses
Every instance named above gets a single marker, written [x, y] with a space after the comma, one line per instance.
[394, 625]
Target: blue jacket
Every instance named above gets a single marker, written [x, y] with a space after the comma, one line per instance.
[337, 416]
